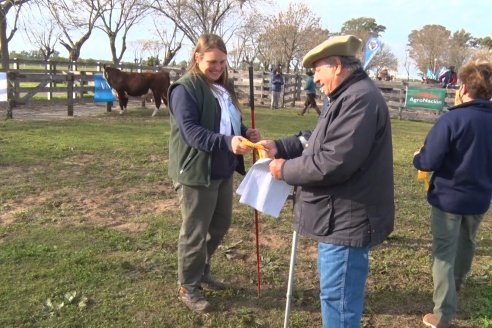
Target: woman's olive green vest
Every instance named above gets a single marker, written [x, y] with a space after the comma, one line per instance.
[187, 165]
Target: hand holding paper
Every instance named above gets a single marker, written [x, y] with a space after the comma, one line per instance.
[276, 168]
[260, 190]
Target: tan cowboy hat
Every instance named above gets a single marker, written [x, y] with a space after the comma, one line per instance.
[343, 45]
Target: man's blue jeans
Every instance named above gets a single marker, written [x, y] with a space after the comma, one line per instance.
[343, 272]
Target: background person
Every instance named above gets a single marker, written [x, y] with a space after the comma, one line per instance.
[310, 89]
[449, 78]
[458, 150]
[277, 83]
[343, 176]
[206, 137]
[384, 75]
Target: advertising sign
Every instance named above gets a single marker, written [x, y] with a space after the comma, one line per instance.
[425, 98]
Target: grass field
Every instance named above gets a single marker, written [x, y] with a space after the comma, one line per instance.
[89, 224]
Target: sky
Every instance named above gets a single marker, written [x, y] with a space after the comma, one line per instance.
[398, 16]
[401, 17]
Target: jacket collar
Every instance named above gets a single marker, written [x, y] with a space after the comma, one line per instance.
[477, 103]
[356, 76]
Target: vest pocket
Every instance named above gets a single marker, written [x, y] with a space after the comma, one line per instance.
[187, 162]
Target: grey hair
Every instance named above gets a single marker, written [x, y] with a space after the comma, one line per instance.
[350, 64]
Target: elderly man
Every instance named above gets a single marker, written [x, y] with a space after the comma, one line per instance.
[343, 173]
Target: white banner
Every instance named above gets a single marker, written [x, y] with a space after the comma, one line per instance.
[3, 86]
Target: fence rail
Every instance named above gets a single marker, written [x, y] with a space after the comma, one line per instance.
[75, 82]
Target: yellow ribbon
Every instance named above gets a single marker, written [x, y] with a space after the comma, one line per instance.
[457, 98]
[257, 147]
[424, 176]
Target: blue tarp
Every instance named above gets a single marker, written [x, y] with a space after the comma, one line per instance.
[102, 90]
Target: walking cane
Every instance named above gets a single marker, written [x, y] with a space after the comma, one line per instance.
[252, 105]
[290, 284]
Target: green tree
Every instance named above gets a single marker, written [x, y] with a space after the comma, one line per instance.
[485, 43]
[365, 28]
[460, 48]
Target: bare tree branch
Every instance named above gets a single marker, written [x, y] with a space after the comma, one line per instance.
[76, 19]
[196, 17]
[118, 17]
[289, 35]
[42, 32]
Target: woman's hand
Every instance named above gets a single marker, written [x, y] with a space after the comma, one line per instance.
[238, 147]
[253, 135]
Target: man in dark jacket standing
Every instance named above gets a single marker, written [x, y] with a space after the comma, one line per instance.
[344, 177]
[277, 83]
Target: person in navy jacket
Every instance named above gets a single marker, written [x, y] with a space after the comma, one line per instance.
[458, 150]
[277, 83]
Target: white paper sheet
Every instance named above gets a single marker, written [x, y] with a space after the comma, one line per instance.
[262, 191]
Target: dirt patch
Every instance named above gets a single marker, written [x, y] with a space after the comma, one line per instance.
[102, 208]
[57, 110]
[132, 227]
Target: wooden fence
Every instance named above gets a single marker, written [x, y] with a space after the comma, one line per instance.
[75, 83]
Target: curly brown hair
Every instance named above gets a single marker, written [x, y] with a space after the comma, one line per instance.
[477, 76]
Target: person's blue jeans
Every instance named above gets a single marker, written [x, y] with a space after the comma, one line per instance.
[342, 274]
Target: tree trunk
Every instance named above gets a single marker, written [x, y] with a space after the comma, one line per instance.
[4, 43]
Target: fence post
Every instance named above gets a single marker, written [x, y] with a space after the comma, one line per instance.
[262, 87]
[70, 82]
[49, 94]
[402, 99]
[83, 79]
[10, 94]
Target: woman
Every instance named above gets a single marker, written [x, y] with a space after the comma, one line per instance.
[205, 148]
[458, 150]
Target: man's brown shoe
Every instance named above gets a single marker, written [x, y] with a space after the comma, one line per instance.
[208, 282]
[431, 320]
[194, 300]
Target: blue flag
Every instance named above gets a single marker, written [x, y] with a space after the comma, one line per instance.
[430, 74]
[373, 45]
[102, 90]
